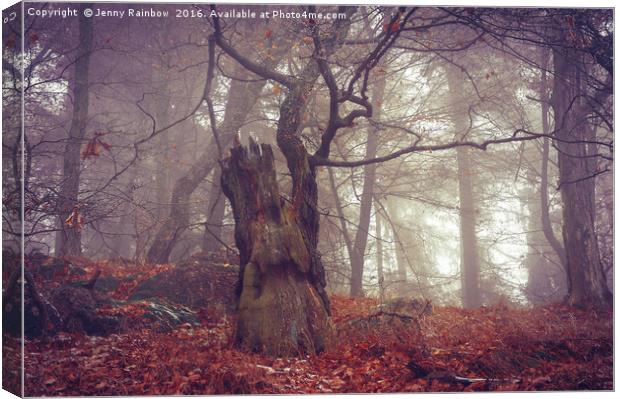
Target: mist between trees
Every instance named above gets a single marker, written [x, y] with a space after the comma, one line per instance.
[462, 155]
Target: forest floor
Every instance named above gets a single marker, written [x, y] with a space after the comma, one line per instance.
[450, 350]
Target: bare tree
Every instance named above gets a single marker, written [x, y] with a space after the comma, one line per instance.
[68, 238]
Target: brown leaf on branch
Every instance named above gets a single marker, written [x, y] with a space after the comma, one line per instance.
[75, 219]
[393, 27]
[94, 145]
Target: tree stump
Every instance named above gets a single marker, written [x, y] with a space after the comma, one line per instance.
[281, 312]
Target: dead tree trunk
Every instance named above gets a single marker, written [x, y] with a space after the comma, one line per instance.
[302, 308]
[284, 307]
[68, 238]
[280, 311]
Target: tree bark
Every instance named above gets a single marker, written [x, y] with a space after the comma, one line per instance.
[546, 278]
[162, 162]
[400, 235]
[283, 305]
[361, 235]
[587, 285]
[544, 170]
[545, 282]
[120, 244]
[341, 218]
[215, 217]
[280, 310]
[470, 264]
[379, 244]
[547, 227]
[161, 80]
[68, 238]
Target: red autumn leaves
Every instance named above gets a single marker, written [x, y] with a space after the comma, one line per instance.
[393, 27]
[94, 146]
[551, 348]
[75, 219]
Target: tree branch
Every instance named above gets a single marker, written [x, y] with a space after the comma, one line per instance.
[250, 65]
[420, 148]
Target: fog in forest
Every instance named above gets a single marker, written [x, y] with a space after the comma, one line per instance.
[395, 189]
[122, 127]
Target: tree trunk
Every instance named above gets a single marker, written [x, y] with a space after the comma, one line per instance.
[162, 164]
[122, 226]
[68, 238]
[361, 235]
[280, 310]
[545, 282]
[543, 274]
[241, 99]
[283, 305]
[162, 83]
[341, 218]
[400, 235]
[547, 228]
[587, 285]
[470, 264]
[544, 170]
[215, 217]
[379, 244]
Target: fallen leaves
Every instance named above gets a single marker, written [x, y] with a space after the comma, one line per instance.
[489, 349]
[50, 381]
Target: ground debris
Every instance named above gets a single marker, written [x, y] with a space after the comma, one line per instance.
[450, 350]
